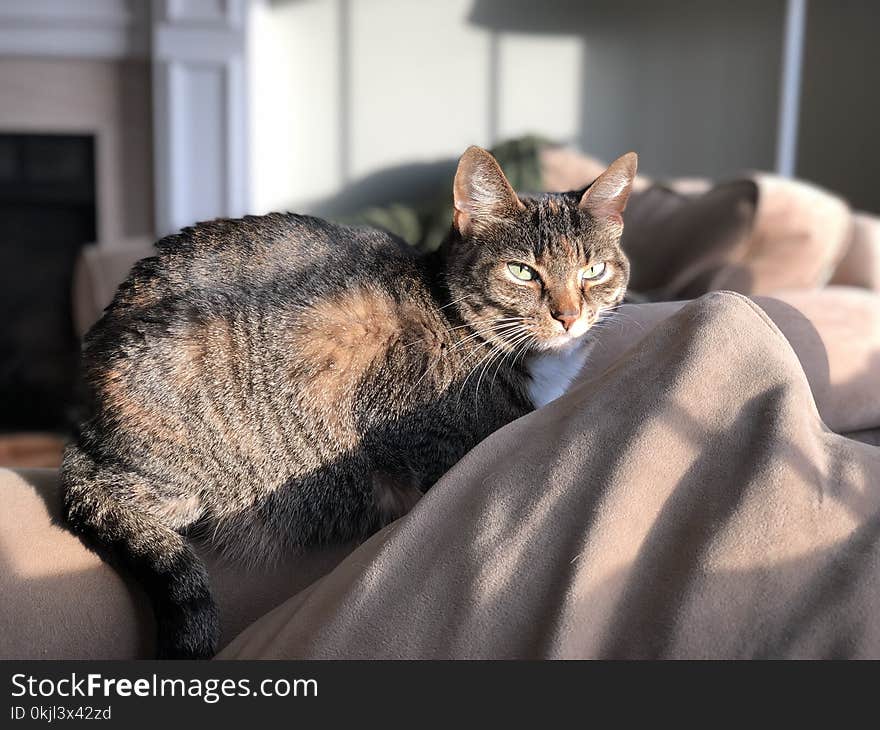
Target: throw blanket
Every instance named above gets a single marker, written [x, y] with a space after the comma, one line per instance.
[684, 500]
[687, 501]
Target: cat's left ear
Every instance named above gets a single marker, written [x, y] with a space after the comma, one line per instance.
[607, 196]
[482, 194]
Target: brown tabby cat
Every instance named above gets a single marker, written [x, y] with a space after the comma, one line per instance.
[282, 382]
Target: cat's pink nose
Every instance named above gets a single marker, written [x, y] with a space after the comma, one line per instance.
[567, 319]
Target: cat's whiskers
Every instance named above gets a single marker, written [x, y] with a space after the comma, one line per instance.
[498, 350]
[525, 335]
[523, 350]
[502, 330]
[481, 334]
[456, 301]
[474, 323]
[515, 345]
[609, 321]
[613, 312]
[486, 355]
[483, 320]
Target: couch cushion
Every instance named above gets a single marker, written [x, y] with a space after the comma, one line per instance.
[837, 331]
[681, 246]
[64, 602]
[801, 232]
[99, 271]
[860, 265]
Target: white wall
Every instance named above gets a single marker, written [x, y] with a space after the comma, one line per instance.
[294, 102]
[344, 88]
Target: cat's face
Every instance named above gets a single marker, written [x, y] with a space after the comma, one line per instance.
[536, 272]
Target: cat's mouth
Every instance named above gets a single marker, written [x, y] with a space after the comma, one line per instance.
[562, 339]
[559, 342]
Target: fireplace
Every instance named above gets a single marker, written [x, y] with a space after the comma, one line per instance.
[93, 96]
[47, 213]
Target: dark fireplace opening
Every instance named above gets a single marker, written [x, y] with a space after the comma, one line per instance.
[47, 213]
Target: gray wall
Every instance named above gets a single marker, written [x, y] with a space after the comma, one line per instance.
[345, 89]
[840, 101]
[692, 85]
[353, 95]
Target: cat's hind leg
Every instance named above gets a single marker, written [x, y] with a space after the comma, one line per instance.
[105, 506]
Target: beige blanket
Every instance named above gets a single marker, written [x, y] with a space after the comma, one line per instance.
[686, 499]
[687, 502]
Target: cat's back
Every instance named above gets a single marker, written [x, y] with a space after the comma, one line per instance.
[239, 256]
[233, 266]
[236, 324]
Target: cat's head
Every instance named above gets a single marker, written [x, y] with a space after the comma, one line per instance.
[536, 271]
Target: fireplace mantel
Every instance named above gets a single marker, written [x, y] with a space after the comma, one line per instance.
[98, 29]
[197, 50]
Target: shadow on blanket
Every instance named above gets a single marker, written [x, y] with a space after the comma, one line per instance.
[684, 500]
[687, 502]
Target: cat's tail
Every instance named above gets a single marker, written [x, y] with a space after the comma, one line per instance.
[109, 512]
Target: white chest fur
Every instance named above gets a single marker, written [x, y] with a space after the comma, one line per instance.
[552, 372]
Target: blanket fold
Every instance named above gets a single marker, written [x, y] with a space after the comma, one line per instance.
[687, 501]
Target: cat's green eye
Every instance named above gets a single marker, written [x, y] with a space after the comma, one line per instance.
[521, 271]
[596, 271]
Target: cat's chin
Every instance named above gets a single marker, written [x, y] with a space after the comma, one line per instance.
[561, 342]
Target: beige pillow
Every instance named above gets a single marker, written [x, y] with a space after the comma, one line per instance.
[681, 246]
[564, 169]
[753, 237]
[801, 233]
[98, 272]
[837, 336]
[860, 265]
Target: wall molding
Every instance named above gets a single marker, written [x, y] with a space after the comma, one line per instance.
[790, 86]
[98, 29]
[198, 56]
[199, 111]
[225, 12]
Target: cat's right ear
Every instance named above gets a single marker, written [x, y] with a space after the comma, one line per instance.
[481, 192]
[606, 197]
